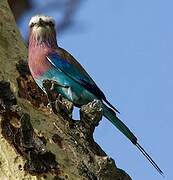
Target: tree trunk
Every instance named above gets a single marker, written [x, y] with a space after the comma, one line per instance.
[37, 142]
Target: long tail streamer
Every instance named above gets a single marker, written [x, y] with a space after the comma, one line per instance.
[141, 149]
[111, 115]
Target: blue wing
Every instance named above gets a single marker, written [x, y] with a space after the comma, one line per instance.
[76, 74]
[69, 66]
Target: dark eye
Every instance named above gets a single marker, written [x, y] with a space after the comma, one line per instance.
[50, 23]
[32, 24]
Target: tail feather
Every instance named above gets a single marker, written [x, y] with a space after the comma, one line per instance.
[107, 102]
[141, 149]
[111, 116]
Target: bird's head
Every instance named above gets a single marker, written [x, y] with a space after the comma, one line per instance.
[42, 29]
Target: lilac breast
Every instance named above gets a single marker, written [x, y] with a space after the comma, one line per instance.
[37, 61]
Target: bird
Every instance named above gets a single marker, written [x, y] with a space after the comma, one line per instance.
[48, 61]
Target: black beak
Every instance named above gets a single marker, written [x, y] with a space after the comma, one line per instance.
[41, 22]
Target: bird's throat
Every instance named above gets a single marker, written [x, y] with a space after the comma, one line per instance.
[42, 37]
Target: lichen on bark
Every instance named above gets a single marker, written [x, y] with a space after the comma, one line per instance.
[37, 142]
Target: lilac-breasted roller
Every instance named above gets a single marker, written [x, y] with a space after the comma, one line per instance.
[47, 61]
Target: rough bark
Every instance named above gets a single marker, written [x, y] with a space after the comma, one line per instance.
[37, 142]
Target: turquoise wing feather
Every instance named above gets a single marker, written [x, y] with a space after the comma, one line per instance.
[83, 79]
[74, 73]
[63, 61]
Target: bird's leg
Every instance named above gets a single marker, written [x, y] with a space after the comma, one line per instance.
[49, 88]
[54, 84]
[62, 105]
[52, 88]
[57, 104]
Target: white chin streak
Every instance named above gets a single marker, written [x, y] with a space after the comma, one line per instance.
[38, 30]
[41, 33]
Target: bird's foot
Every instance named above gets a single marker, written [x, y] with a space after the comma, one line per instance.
[57, 104]
[54, 84]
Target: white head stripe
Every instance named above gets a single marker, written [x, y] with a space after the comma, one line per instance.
[35, 19]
